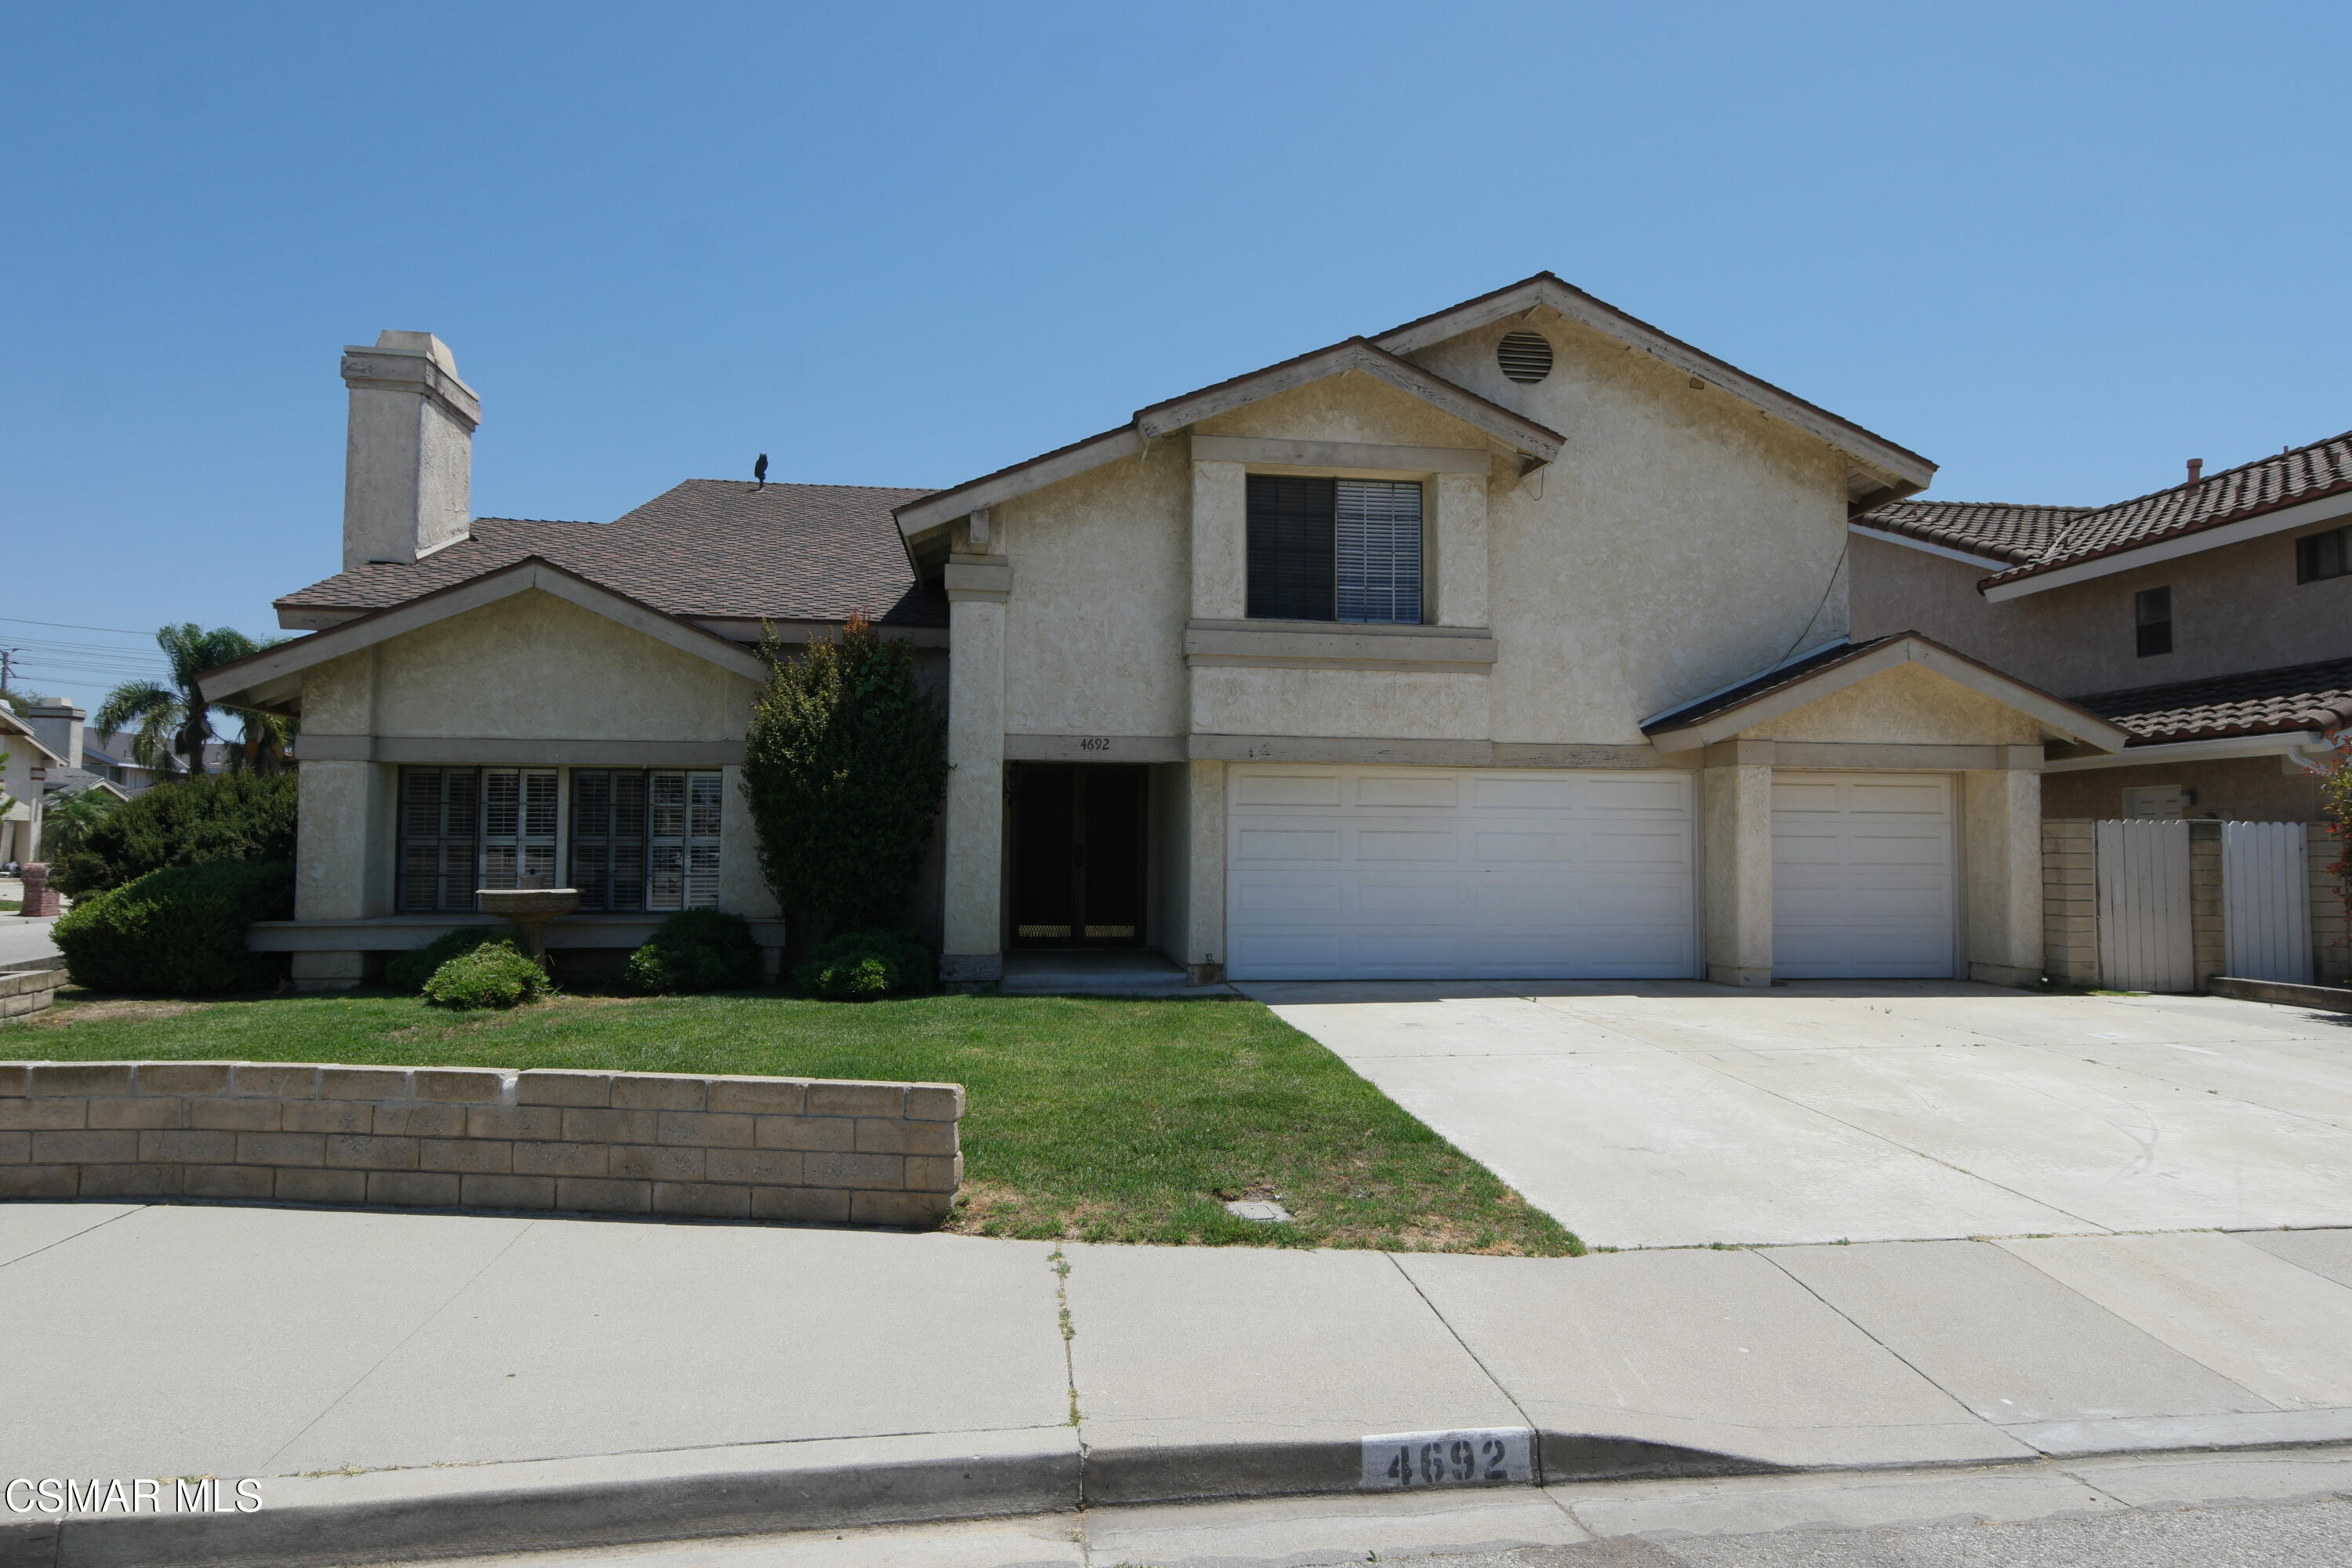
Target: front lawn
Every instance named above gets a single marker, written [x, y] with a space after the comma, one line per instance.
[1091, 1119]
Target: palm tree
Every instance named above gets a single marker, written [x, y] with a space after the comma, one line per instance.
[171, 720]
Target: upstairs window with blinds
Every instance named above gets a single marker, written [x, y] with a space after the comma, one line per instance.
[645, 839]
[463, 829]
[1334, 550]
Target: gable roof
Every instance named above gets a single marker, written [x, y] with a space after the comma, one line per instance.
[2279, 701]
[266, 680]
[1879, 469]
[1886, 468]
[1538, 442]
[2045, 540]
[1769, 693]
[706, 549]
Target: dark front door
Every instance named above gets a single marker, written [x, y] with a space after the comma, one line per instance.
[1078, 850]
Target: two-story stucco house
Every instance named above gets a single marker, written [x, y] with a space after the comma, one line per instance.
[1511, 642]
[2211, 620]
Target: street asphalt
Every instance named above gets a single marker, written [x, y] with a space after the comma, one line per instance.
[1679, 1114]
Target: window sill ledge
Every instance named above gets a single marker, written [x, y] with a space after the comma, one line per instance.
[1338, 644]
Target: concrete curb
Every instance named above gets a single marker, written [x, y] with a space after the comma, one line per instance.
[332, 1520]
[2329, 998]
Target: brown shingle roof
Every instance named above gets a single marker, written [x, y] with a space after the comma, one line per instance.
[1770, 681]
[702, 549]
[2045, 538]
[2006, 531]
[2256, 702]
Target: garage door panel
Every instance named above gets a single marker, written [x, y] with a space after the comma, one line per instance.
[1286, 789]
[1375, 844]
[1407, 792]
[1862, 878]
[1509, 875]
[1260, 896]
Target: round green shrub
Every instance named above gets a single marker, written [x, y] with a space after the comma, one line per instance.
[695, 950]
[495, 974]
[409, 971]
[860, 965]
[181, 930]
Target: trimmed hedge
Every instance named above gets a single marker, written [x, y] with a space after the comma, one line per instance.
[861, 965]
[495, 974]
[179, 930]
[217, 818]
[695, 950]
[409, 971]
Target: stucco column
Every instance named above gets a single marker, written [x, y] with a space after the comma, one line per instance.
[1460, 538]
[973, 941]
[1204, 914]
[1736, 807]
[1220, 541]
[2004, 874]
[342, 860]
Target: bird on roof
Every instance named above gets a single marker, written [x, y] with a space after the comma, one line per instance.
[760, 470]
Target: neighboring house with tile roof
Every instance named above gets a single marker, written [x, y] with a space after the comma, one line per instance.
[1407, 655]
[2212, 620]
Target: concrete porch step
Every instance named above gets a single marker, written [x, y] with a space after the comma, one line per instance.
[1112, 972]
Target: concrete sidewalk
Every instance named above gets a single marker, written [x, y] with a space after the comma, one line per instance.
[422, 1384]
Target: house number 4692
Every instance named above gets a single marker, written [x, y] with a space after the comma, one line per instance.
[1093, 743]
[1399, 1461]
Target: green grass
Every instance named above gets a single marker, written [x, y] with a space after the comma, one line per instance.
[1089, 1118]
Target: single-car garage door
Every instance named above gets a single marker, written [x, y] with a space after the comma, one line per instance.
[1862, 884]
[1339, 873]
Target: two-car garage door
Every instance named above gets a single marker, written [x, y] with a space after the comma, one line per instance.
[1438, 873]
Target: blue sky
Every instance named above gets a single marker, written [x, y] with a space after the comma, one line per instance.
[2059, 249]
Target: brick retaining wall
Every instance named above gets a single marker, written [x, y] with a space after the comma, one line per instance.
[25, 991]
[603, 1142]
[2070, 909]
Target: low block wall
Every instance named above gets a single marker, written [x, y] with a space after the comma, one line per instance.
[600, 1143]
[25, 991]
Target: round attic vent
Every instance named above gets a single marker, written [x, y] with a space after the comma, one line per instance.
[1524, 357]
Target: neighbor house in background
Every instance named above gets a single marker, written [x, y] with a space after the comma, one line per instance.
[2212, 620]
[1510, 642]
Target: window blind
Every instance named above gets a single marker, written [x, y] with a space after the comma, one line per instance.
[645, 839]
[1377, 527]
[1291, 568]
[440, 823]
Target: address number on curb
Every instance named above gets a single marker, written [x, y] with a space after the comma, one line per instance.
[1483, 1456]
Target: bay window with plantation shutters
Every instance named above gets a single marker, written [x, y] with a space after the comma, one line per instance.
[645, 839]
[463, 829]
[1334, 550]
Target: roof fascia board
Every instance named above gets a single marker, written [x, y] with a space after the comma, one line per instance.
[272, 665]
[2301, 515]
[1898, 462]
[1945, 551]
[1771, 705]
[937, 512]
[2220, 749]
[1510, 429]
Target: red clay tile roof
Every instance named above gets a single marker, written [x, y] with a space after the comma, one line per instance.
[2005, 531]
[2257, 702]
[2070, 535]
[702, 549]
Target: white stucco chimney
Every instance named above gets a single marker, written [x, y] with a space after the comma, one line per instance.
[408, 464]
[56, 724]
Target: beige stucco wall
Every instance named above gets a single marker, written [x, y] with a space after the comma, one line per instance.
[1681, 540]
[1908, 704]
[2235, 609]
[1405, 704]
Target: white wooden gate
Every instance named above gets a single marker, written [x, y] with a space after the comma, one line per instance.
[2265, 903]
[2145, 941]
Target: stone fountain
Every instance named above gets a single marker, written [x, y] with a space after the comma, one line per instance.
[530, 909]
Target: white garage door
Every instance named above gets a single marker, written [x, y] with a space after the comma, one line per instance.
[1435, 873]
[1862, 883]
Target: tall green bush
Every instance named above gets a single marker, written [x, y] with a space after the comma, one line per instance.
[180, 929]
[844, 766]
[185, 822]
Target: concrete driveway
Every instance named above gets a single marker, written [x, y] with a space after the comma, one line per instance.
[1677, 1114]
